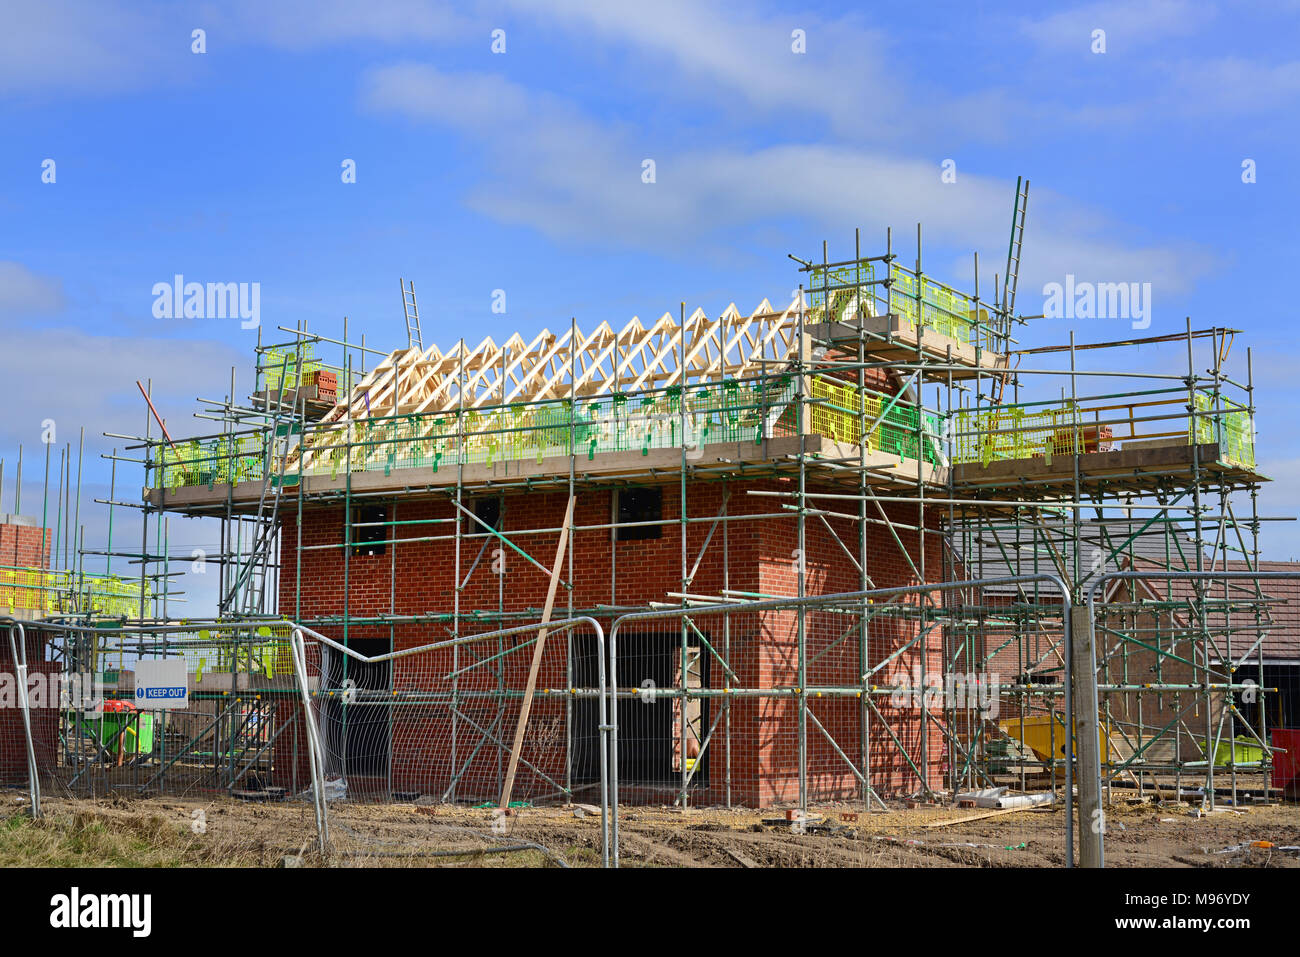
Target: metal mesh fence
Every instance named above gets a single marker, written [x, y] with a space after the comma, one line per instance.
[437, 725]
[843, 705]
[100, 727]
[432, 723]
[852, 704]
[724, 687]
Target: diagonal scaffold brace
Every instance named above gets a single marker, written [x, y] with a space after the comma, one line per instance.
[536, 665]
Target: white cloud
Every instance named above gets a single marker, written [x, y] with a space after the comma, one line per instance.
[561, 172]
[301, 24]
[1234, 85]
[709, 51]
[1170, 82]
[109, 46]
[1129, 24]
[96, 377]
[86, 46]
[24, 293]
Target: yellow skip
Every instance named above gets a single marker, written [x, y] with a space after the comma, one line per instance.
[1039, 735]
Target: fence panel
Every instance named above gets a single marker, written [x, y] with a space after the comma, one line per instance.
[431, 724]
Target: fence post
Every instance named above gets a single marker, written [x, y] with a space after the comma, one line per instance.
[19, 650]
[315, 752]
[1083, 663]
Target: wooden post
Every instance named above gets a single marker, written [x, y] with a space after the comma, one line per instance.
[1087, 768]
[537, 659]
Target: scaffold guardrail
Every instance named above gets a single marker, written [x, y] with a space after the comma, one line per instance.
[1065, 427]
[51, 591]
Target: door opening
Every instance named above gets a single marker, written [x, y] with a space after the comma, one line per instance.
[650, 740]
[357, 717]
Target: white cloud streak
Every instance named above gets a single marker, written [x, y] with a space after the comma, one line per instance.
[61, 46]
[1129, 24]
[96, 377]
[24, 293]
[304, 24]
[572, 178]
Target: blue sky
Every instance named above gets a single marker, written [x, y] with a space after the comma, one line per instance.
[521, 171]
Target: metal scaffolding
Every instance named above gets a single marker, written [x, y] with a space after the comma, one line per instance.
[891, 418]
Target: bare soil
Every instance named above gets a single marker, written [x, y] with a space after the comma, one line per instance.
[223, 831]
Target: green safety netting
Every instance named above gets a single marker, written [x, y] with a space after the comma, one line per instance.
[668, 418]
[218, 460]
[843, 412]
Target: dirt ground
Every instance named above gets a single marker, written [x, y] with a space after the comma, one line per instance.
[223, 831]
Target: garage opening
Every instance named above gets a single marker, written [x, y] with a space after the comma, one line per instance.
[650, 742]
[355, 719]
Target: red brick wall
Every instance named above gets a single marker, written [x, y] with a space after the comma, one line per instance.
[878, 380]
[21, 545]
[645, 570]
[834, 661]
[45, 721]
[417, 578]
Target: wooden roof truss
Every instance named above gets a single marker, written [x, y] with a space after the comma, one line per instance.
[555, 365]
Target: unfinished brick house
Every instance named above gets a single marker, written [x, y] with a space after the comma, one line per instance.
[852, 441]
[451, 534]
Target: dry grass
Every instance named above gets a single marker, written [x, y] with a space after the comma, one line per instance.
[88, 838]
[158, 832]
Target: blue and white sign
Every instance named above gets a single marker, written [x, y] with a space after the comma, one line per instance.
[162, 685]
